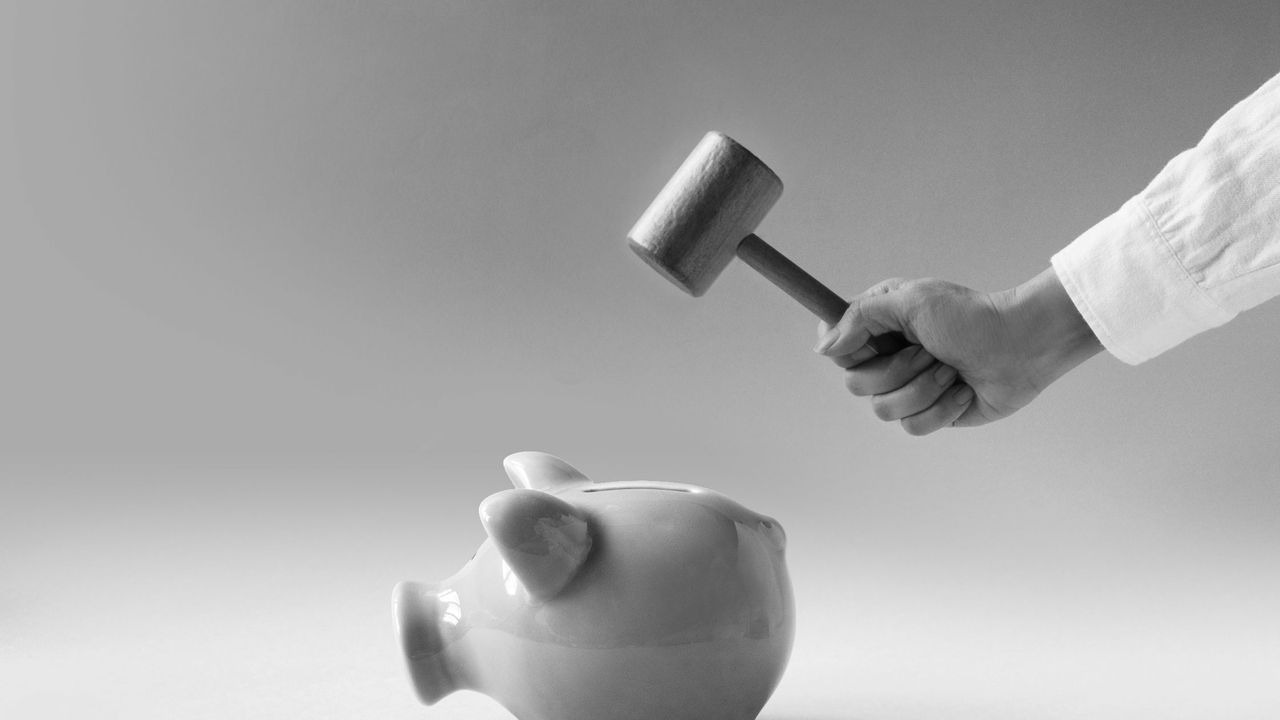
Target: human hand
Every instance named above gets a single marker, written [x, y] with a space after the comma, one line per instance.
[974, 357]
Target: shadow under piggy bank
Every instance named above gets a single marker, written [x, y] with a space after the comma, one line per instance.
[595, 601]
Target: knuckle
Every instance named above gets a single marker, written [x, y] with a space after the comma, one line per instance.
[926, 291]
[914, 288]
[885, 286]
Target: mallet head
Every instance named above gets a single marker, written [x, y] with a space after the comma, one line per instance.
[715, 199]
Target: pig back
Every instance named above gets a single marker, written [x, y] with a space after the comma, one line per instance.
[669, 567]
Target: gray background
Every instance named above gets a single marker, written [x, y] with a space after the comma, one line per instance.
[283, 282]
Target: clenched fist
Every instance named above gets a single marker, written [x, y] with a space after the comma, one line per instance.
[975, 357]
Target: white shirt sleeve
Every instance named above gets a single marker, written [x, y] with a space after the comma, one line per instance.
[1199, 245]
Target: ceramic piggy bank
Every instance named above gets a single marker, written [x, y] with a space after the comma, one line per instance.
[603, 601]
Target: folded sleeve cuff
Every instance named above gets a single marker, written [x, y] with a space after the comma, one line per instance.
[1131, 288]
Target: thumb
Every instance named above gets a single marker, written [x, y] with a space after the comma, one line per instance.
[880, 310]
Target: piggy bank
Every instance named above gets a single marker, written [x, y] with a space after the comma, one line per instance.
[602, 601]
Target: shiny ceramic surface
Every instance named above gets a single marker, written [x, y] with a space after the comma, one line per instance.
[595, 601]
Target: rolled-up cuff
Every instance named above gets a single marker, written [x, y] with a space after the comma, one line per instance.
[1130, 287]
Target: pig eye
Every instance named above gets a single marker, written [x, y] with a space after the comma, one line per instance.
[767, 525]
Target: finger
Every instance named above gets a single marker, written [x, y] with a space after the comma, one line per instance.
[921, 392]
[875, 312]
[943, 413]
[885, 373]
[849, 360]
[855, 358]
[827, 334]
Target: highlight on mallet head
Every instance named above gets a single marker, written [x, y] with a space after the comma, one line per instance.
[715, 199]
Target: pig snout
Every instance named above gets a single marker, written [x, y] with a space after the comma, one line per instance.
[427, 619]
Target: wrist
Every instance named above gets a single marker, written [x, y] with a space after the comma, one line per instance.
[1048, 325]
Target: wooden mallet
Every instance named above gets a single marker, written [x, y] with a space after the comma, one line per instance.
[708, 212]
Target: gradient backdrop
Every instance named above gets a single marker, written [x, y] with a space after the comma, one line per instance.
[282, 283]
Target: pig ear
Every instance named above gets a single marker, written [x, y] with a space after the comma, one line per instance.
[540, 471]
[543, 539]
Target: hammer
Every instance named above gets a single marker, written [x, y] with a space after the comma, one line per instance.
[708, 212]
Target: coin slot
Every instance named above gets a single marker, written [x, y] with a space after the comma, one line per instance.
[635, 487]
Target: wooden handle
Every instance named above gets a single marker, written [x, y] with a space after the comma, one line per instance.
[802, 286]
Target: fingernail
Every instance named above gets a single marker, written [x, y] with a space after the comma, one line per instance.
[964, 394]
[826, 341]
[944, 375]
